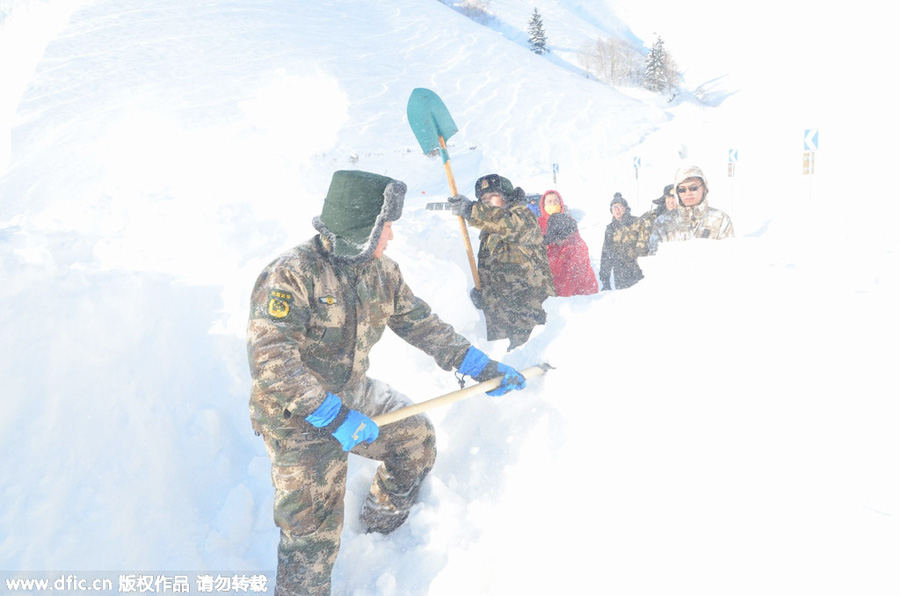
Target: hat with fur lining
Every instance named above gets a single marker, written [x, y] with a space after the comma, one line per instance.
[496, 183]
[354, 213]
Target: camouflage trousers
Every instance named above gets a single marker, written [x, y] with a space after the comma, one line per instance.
[309, 472]
[507, 317]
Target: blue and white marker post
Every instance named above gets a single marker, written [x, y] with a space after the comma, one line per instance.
[637, 180]
[732, 173]
[810, 146]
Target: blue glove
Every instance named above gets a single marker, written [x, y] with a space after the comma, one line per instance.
[477, 365]
[349, 427]
[356, 428]
[474, 362]
[512, 379]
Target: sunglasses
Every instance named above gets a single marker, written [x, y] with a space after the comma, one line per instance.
[682, 190]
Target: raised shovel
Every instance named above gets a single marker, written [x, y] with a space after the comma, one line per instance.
[432, 124]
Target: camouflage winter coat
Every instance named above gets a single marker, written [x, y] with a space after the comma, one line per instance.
[686, 223]
[313, 322]
[645, 226]
[512, 266]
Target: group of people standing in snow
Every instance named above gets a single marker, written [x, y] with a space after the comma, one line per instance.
[681, 213]
[318, 309]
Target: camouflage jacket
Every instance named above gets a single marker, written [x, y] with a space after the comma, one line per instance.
[513, 267]
[686, 223]
[511, 240]
[645, 226]
[313, 323]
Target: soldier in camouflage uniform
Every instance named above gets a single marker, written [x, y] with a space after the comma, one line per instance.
[693, 218]
[664, 203]
[623, 243]
[512, 260]
[316, 312]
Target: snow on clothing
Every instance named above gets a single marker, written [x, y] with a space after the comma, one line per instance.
[314, 319]
[543, 216]
[512, 266]
[316, 311]
[644, 227]
[569, 262]
[686, 223]
[568, 257]
[314, 322]
[309, 473]
[622, 245]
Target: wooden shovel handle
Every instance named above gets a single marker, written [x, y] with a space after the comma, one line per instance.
[462, 222]
[449, 398]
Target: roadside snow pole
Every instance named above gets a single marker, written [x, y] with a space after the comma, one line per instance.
[637, 181]
[732, 173]
[432, 124]
[477, 389]
[810, 146]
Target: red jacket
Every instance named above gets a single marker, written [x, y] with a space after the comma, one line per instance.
[570, 265]
[569, 260]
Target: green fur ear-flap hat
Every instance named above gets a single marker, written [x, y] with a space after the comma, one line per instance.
[495, 183]
[354, 213]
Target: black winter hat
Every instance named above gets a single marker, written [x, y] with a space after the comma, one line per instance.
[617, 198]
[495, 183]
[519, 195]
[666, 191]
[559, 227]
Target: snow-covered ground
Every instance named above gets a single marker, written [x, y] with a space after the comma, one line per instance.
[727, 426]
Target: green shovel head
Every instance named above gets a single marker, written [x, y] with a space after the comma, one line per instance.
[429, 119]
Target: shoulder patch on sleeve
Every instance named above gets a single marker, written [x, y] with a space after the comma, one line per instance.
[280, 303]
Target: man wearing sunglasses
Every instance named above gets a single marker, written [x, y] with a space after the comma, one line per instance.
[693, 217]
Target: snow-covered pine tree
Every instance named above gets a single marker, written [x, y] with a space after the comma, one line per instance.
[537, 37]
[657, 71]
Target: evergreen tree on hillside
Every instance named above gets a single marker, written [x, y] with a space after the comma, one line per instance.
[659, 71]
[537, 37]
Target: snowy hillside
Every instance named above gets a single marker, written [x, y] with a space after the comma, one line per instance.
[727, 426]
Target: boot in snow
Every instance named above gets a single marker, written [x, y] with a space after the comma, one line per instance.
[384, 511]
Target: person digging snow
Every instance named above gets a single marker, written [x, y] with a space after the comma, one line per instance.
[512, 260]
[316, 311]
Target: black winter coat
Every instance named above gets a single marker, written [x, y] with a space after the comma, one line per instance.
[620, 253]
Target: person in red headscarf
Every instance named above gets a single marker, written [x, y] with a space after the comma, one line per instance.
[567, 252]
[551, 202]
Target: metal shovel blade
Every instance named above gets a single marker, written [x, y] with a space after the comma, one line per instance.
[429, 119]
